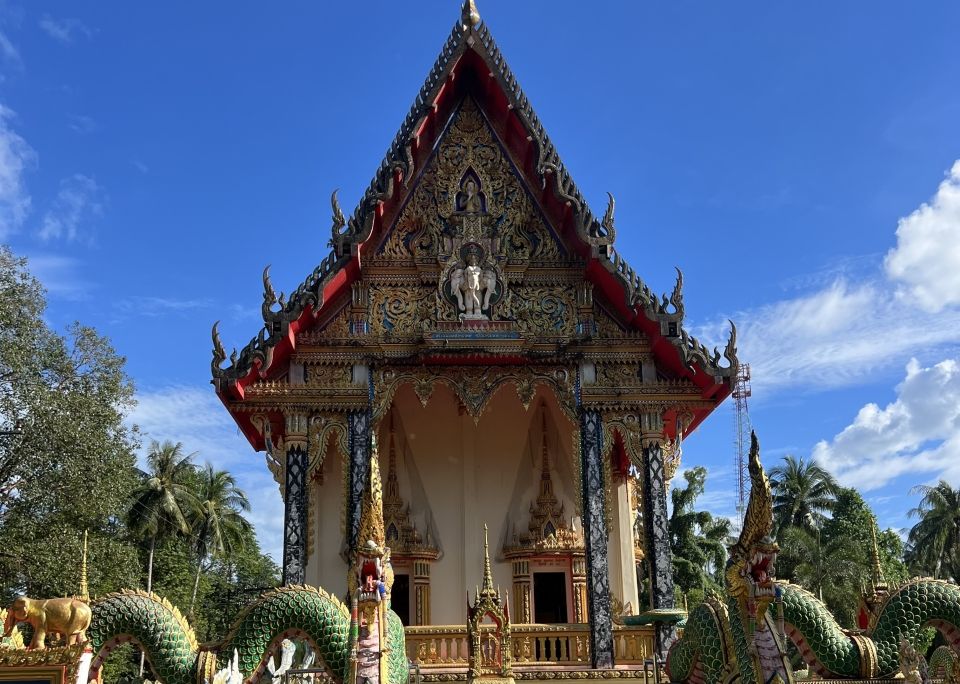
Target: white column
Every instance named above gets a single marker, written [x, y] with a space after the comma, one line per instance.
[623, 575]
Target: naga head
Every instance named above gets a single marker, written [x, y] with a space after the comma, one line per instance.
[751, 569]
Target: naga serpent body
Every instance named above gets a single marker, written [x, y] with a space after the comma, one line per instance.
[740, 637]
[171, 647]
[713, 647]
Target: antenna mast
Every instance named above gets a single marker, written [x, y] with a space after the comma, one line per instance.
[741, 392]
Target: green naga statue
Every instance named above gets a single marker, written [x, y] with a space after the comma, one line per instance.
[740, 637]
[364, 645]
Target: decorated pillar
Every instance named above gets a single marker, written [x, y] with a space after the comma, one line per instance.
[358, 424]
[522, 585]
[370, 581]
[656, 522]
[580, 590]
[595, 538]
[295, 499]
[421, 592]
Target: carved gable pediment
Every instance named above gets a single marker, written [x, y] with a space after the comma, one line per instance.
[470, 190]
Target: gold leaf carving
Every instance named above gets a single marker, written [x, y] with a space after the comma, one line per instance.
[471, 144]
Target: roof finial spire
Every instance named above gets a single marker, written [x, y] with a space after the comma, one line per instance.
[84, 588]
[469, 14]
[488, 589]
[879, 581]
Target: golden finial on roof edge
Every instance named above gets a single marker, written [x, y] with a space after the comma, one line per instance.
[469, 14]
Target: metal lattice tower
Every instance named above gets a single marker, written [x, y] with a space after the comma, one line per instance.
[741, 392]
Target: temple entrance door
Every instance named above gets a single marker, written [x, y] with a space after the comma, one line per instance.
[550, 597]
[400, 598]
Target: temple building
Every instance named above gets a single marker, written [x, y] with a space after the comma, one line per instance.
[474, 324]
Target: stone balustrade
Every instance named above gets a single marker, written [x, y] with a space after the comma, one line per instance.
[536, 646]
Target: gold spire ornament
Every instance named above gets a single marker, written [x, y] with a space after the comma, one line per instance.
[469, 14]
[488, 589]
[879, 581]
[84, 588]
[488, 652]
[371, 505]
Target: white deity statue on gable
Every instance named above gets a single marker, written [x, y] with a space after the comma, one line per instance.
[471, 281]
[472, 285]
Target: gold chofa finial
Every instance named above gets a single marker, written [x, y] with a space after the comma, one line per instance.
[488, 589]
[469, 14]
[371, 505]
[84, 588]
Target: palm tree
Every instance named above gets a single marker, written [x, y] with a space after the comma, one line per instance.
[219, 527]
[164, 498]
[803, 492]
[935, 539]
[162, 501]
[697, 539]
[834, 566]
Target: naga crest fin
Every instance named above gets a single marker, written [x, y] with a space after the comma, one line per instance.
[758, 520]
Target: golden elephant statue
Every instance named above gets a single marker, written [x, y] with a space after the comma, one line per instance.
[68, 617]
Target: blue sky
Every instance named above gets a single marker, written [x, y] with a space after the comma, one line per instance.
[797, 161]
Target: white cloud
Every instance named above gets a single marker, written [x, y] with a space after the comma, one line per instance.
[9, 55]
[194, 416]
[16, 158]
[160, 306]
[834, 337]
[64, 30]
[79, 200]
[917, 433]
[60, 275]
[926, 261]
[851, 327]
[79, 123]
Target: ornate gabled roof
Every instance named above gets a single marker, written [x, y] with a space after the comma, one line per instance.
[471, 52]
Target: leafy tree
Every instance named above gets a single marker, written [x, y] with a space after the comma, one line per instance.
[935, 539]
[827, 568]
[217, 523]
[697, 539]
[164, 498]
[66, 458]
[803, 493]
[230, 584]
[835, 561]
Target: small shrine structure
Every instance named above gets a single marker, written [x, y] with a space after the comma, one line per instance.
[490, 657]
[473, 314]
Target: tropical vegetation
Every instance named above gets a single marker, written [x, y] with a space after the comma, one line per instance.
[69, 465]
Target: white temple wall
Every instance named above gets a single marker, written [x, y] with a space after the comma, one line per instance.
[470, 474]
[325, 565]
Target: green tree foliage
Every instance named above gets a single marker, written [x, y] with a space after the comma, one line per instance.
[697, 539]
[834, 560]
[935, 539]
[230, 583]
[68, 464]
[803, 493]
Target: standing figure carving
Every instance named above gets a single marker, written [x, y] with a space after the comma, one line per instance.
[471, 279]
[473, 286]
